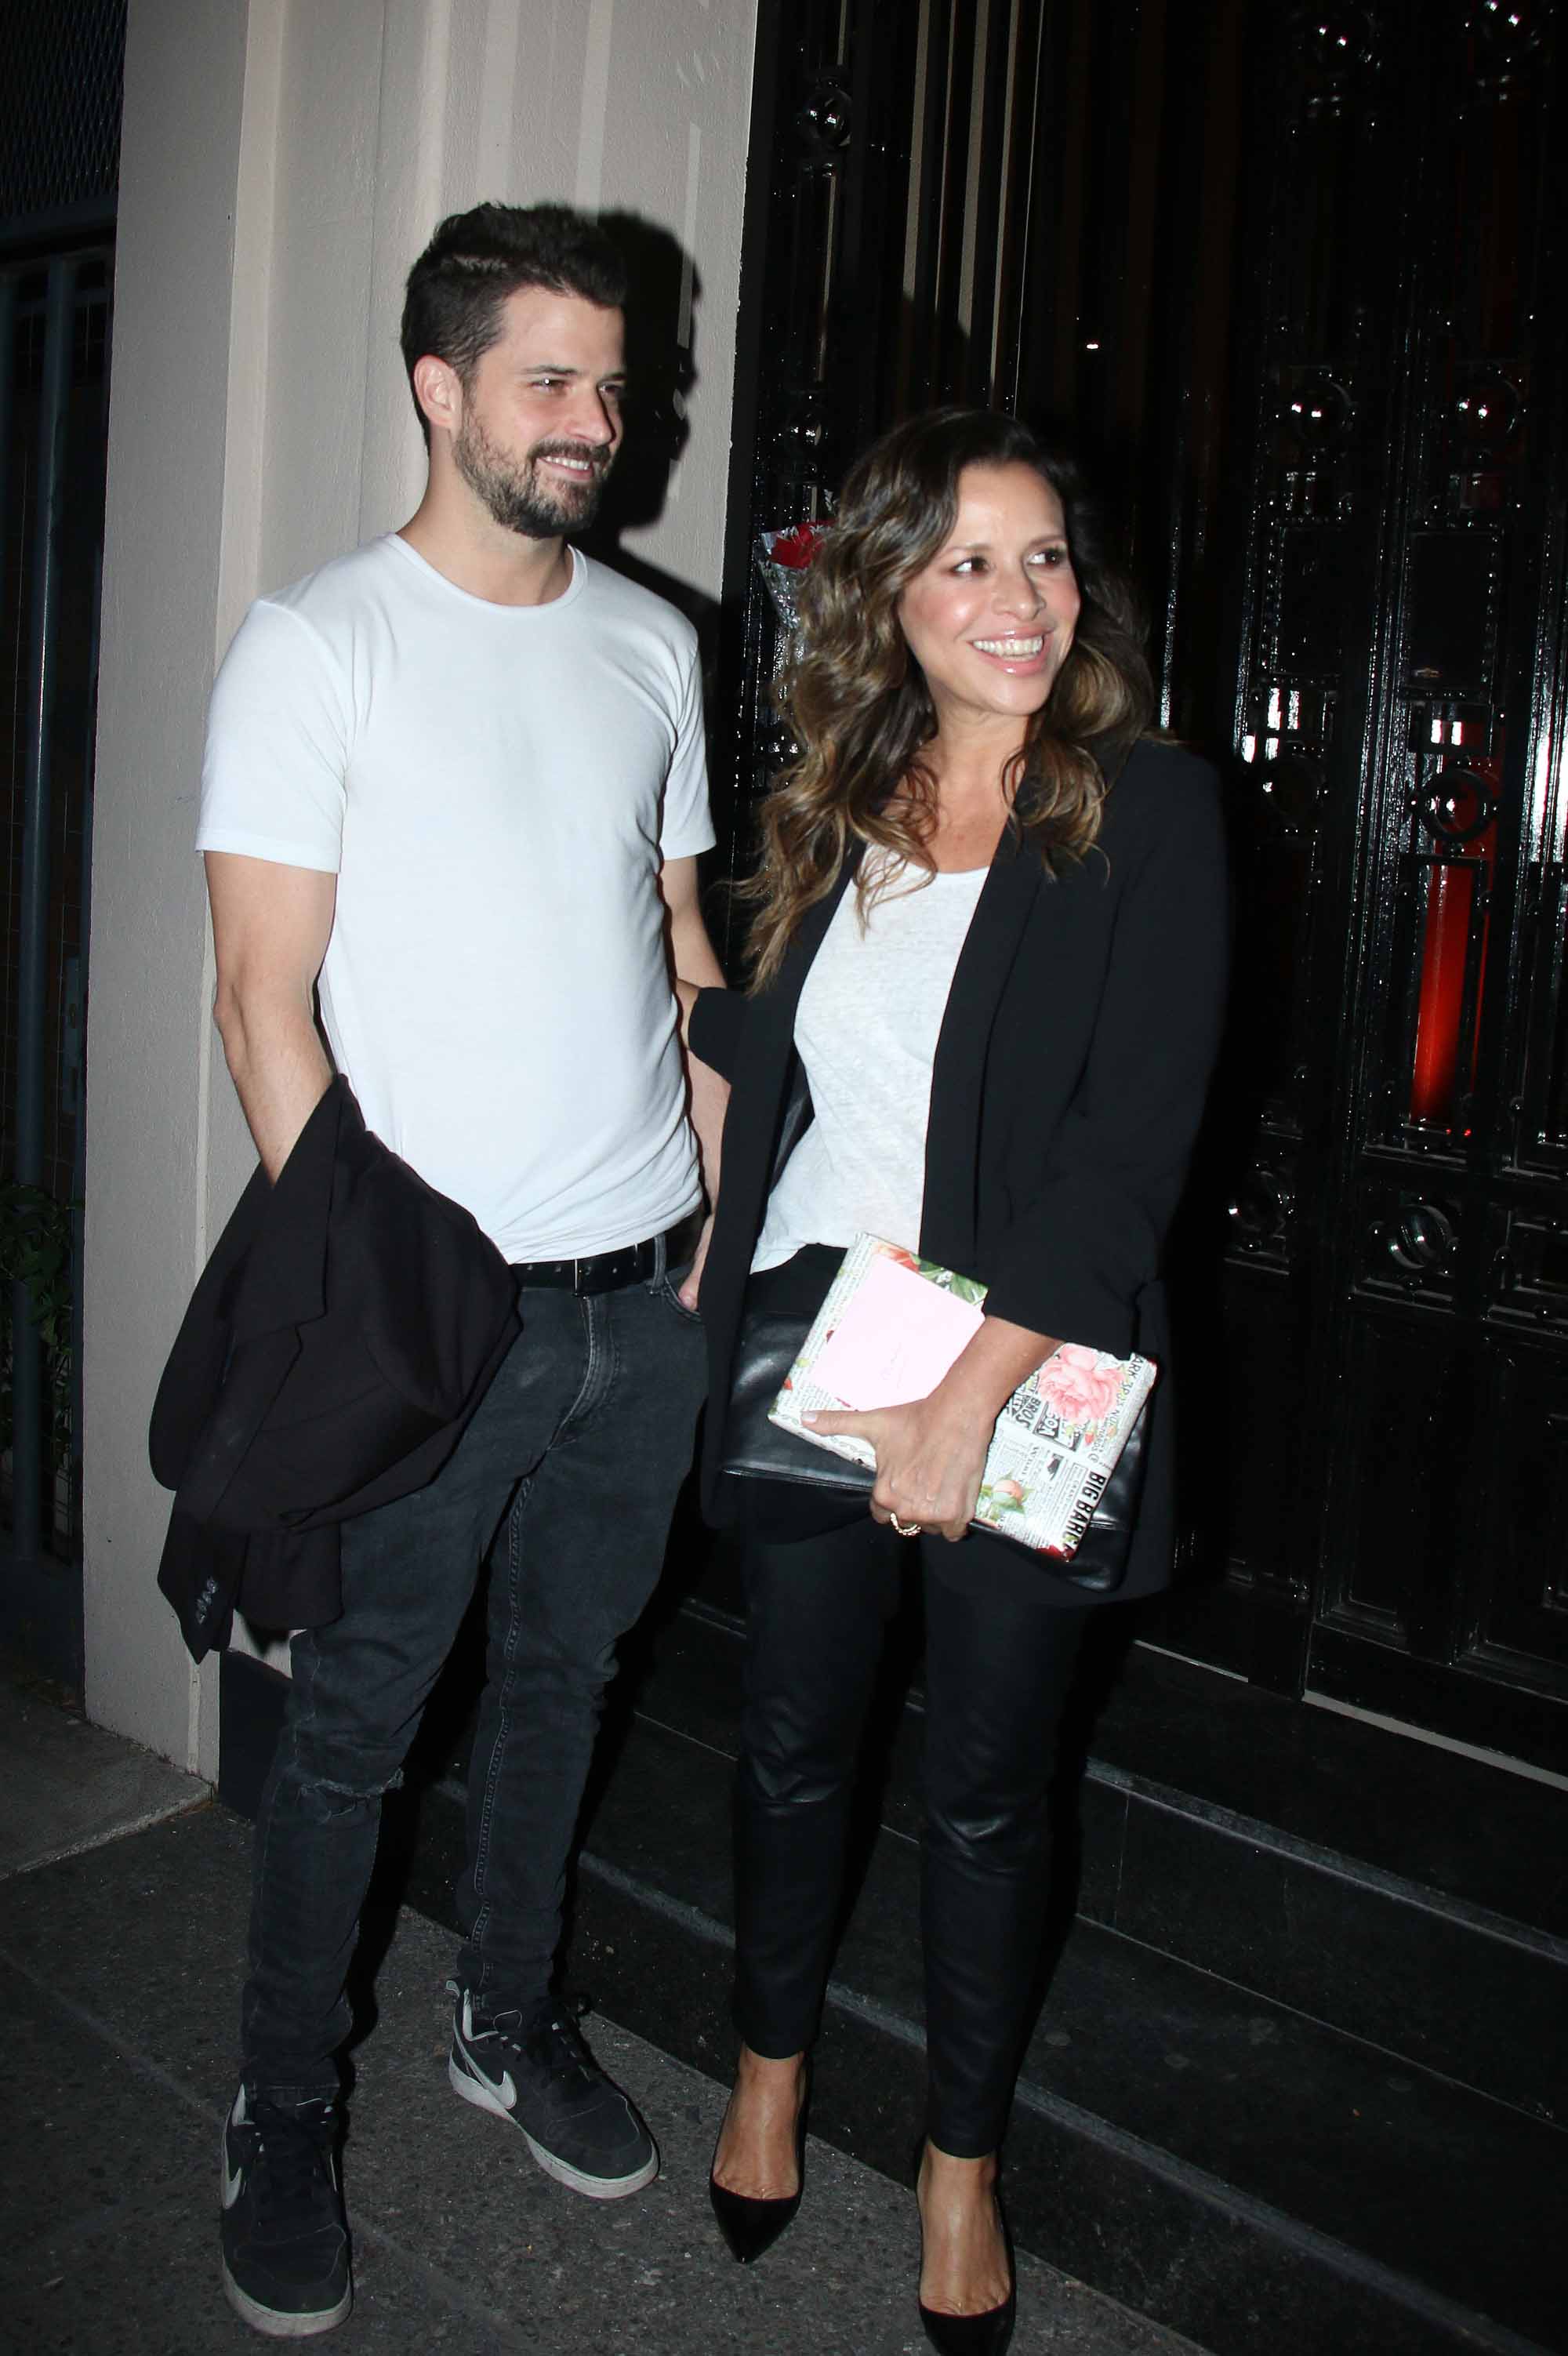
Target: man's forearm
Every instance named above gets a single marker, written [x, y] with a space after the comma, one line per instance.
[279, 1068]
[710, 1099]
[271, 924]
[697, 968]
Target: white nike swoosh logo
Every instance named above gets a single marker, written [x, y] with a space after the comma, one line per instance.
[229, 2182]
[502, 2087]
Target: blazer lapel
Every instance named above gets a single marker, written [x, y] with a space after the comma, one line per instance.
[759, 1101]
[958, 1073]
[782, 1000]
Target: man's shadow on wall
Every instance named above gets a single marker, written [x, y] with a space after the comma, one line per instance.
[662, 293]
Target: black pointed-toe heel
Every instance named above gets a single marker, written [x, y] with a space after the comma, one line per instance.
[749, 2226]
[990, 2334]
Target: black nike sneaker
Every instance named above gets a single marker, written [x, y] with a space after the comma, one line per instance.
[286, 2237]
[535, 2069]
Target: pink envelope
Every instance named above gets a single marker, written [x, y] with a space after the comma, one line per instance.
[896, 1340]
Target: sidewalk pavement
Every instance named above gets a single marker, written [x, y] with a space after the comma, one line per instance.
[119, 1965]
[66, 1785]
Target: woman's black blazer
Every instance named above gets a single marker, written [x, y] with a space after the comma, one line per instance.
[1068, 1081]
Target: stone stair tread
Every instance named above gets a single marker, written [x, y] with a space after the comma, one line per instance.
[1431, 1817]
[1482, 1834]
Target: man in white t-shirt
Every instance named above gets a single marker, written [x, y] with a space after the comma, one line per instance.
[455, 782]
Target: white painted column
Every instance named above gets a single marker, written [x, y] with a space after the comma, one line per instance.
[149, 1134]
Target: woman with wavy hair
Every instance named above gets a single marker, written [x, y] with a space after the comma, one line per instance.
[989, 951]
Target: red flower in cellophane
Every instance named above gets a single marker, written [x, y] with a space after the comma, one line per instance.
[782, 560]
[795, 546]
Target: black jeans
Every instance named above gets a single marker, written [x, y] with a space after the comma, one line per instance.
[999, 1665]
[580, 1444]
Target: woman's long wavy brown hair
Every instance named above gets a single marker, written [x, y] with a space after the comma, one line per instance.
[859, 703]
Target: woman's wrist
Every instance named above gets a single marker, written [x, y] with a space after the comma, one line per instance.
[970, 1397]
[989, 1369]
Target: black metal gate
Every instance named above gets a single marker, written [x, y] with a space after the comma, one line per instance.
[1288, 281]
[59, 146]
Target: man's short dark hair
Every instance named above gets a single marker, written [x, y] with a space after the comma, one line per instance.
[456, 288]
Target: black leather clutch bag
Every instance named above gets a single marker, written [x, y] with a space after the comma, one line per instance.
[756, 1450]
[772, 1334]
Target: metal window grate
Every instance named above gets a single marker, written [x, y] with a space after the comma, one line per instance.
[55, 1030]
[60, 110]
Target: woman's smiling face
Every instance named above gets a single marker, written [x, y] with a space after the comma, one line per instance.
[990, 619]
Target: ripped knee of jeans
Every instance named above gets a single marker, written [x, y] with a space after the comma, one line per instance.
[328, 1797]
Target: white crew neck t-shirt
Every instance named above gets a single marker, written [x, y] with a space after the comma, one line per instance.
[867, 1028]
[495, 787]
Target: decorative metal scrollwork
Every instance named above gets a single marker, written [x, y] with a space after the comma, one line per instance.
[1456, 806]
[1260, 1210]
[1292, 789]
[1339, 51]
[1504, 36]
[803, 428]
[826, 115]
[779, 746]
[1530, 1272]
[1487, 414]
[1417, 1239]
[1338, 37]
[1321, 411]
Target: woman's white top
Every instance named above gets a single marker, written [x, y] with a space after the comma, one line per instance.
[866, 1030]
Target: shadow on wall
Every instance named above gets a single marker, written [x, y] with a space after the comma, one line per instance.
[663, 288]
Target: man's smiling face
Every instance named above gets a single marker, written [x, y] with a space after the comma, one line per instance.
[541, 412]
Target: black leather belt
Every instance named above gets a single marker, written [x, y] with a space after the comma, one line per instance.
[608, 1271]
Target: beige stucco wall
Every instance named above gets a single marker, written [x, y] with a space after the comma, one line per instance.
[282, 163]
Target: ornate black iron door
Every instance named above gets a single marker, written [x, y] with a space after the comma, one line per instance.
[1286, 278]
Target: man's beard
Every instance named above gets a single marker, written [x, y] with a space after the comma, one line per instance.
[514, 495]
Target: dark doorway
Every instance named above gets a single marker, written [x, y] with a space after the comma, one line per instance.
[1284, 279]
[59, 147]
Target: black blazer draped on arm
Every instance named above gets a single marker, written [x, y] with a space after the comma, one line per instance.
[1067, 1090]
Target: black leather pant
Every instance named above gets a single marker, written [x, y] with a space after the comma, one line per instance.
[999, 1660]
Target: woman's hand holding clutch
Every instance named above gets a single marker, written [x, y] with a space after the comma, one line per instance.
[930, 1454]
